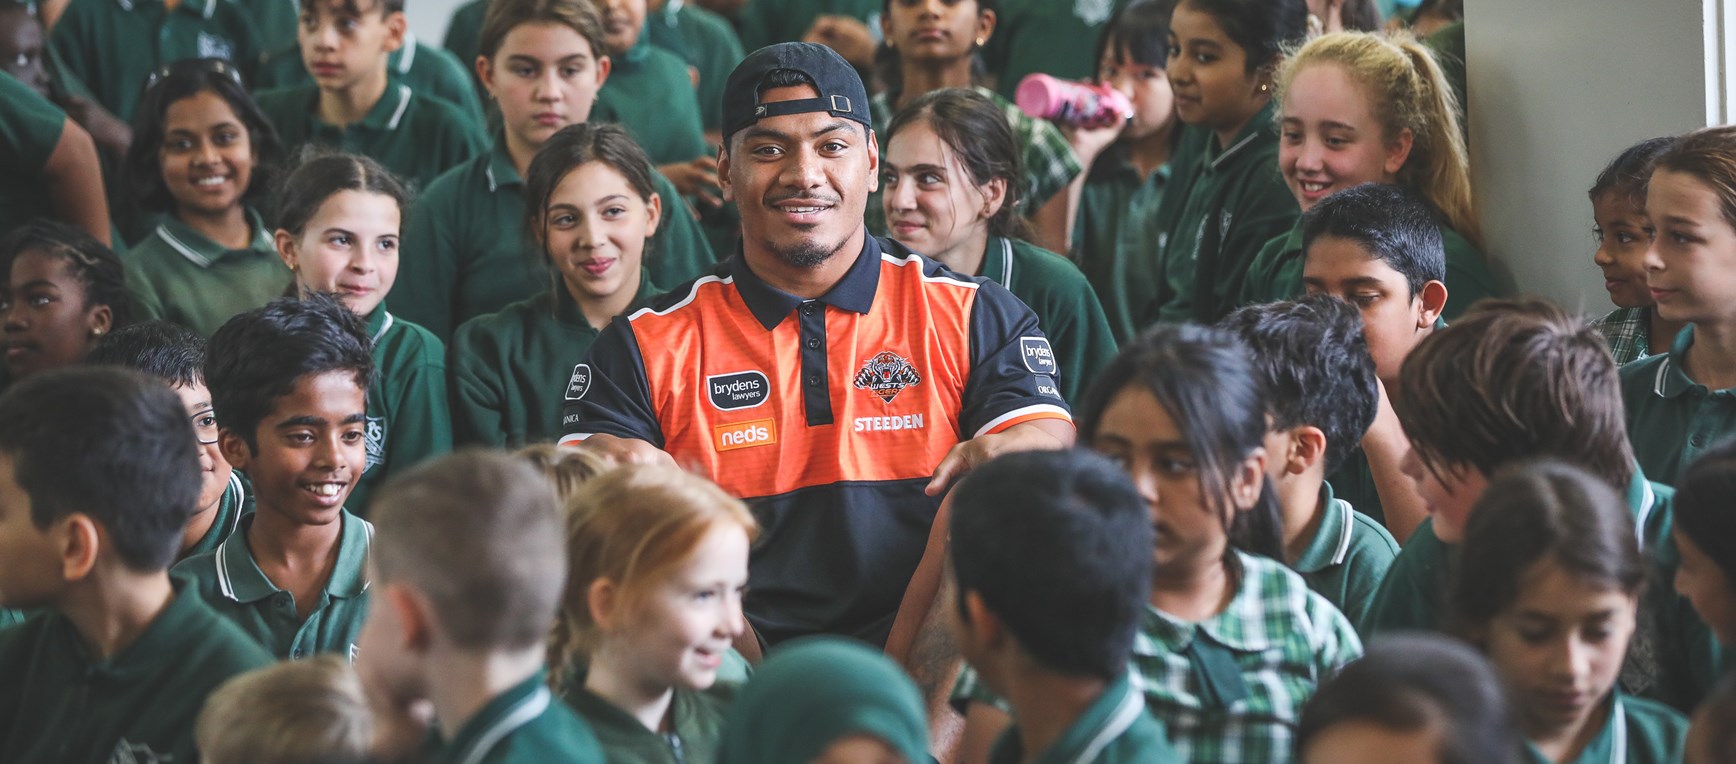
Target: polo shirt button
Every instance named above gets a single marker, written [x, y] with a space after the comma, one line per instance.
[813, 380]
[299, 654]
[813, 343]
[1698, 440]
[807, 309]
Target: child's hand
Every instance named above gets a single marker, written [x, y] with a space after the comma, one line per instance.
[106, 129]
[846, 35]
[696, 180]
[1090, 142]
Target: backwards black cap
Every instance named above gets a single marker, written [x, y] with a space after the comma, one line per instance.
[840, 87]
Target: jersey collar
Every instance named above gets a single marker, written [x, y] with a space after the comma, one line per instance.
[240, 579]
[204, 252]
[1331, 543]
[854, 292]
[1671, 381]
[500, 171]
[518, 706]
[1251, 132]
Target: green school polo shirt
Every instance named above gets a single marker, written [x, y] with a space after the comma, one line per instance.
[409, 417]
[766, 22]
[526, 723]
[1410, 597]
[1115, 729]
[176, 274]
[415, 136]
[467, 252]
[650, 93]
[230, 581]
[463, 38]
[59, 704]
[237, 502]
[276, 21]
[1634, 731]
[426, 69]
[1054, 37]
[114, 45]
[1112, 237]
[707, 42]
[502, 363]
[1067, 310]
[1347, 558]
[30, 128]
[10, 618]
[1671, 419]
[1276, 273]
[1233, 203]
[695, 721]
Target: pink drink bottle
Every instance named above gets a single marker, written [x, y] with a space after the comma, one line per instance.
[1073, 103]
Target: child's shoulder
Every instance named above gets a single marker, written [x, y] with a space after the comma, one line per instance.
[1277, 595]
[398, 339]
[1655, 732]
[1368, 536]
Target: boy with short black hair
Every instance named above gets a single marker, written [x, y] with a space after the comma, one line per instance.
[289, 386]
[98, 473]
[1379, 248]
[1321, 396]
[650, 92]
[464, 605]
[113, 47]
[354, 105]
[1039, 533]
[176, 355]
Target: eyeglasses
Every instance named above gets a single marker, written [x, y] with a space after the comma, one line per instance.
[205, 427]
[213, 65]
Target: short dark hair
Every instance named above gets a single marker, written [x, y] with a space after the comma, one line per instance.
[257, 357]
[143, 168]
[1138, 30]
[1039, 534]
[165, 350]
[1628, 175]
[93, 265]
[360, 8]
[1262, 28]
[1513, 380]
[1412, 682]
[1313, 361]
[1204, 378]
[1534, 511]
[575, 145]
[976, 130]
[1395, 224]
[1702, 505]
[111, 444]
[321, 173]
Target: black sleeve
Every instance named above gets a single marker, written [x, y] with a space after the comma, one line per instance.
[1014, 372]
[607, 393]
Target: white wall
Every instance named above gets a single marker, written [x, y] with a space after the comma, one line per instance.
[428, 18]
[1556, 89]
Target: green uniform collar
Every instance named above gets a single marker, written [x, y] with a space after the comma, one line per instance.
[1250, 133]
[518, 706]
[1116, 164]
[641, 50]
[998, 261]
[1230, 628]
[1107, 718]
[200, 8]
[501, 171]
[406, 53]
[685, 717]
[671, 10]
[567, 309]
[241, 580]
[1611, 743]
[1331, 543]
[227, 520]
[379, 322]
[204, 252]
[386, 115]
[1671, 381]
[1641, 500]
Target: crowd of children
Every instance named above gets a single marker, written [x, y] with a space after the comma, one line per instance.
[278, 282]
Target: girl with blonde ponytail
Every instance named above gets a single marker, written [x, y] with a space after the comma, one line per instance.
[1354, 108]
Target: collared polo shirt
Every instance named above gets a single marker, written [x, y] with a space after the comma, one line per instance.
[231, 583]
[60, 704]
[412, 135]
[695, 724]
[707, 42]
[526, 723]
[467, 252]
[1672, 419]
[1231, 688]
[650, 93]
[30, 128]
[237, 502]
[502, 363]
[114, 45]
[1115, 729]
[1276, 273]
[1347, 558]
[409, 415]
[1230, 205]
[425, 68]
[178, 275]
[827, 415]
[1112, 237]
[1634, 731]
[1067, 311]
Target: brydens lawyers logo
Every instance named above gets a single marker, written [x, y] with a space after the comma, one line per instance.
[738, 390]
[886, 375]
[580, 383]
[1039, 359]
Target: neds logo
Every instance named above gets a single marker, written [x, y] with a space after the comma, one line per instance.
[1038, 357]
[738, 390]
[759, 432]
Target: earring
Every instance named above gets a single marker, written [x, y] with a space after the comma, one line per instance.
[981, 40]
[97, 332]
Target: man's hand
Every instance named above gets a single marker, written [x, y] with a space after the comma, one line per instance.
[627, 450]
[696, 179]
[846, 35]
[1038, 435]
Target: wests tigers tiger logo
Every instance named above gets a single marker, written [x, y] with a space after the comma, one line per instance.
[886, 375]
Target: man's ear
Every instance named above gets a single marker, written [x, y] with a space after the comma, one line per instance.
[1434, 300]
[873, 162]
[1307, 448]
[234, 449]
[723, 171]
[80, 539]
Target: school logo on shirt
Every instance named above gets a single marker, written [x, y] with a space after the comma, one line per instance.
[1093, 12]
[1039, 359]
[886, 375]
[212, 46]
[580, 383]
[738, 390]
[136, 753]
[374, 436]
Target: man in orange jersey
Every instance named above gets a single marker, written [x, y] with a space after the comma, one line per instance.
[837, 388]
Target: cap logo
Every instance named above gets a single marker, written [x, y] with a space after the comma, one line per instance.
[759, 111]
[837, 100]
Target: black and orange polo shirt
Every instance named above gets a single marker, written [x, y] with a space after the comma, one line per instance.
[828, 415]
